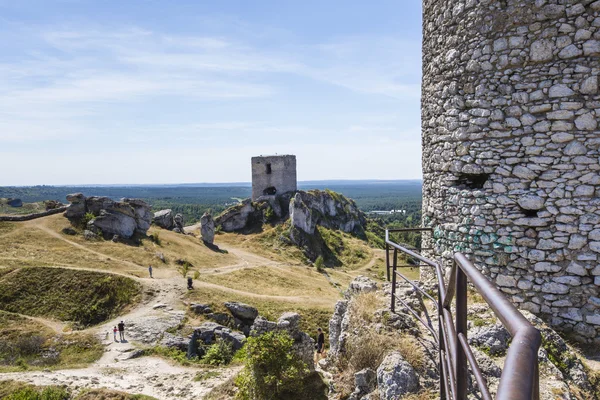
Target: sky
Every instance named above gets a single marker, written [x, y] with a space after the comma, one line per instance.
[181, 91]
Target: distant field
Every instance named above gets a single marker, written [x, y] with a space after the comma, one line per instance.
[193, 200]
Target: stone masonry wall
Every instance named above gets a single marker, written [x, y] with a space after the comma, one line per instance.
[511, 170]
[282, 176]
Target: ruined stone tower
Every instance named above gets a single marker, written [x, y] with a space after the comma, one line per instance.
[511, 169]
[273, 175]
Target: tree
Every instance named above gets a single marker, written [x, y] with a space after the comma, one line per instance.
[272, 369]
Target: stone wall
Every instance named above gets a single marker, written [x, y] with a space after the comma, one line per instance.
[273, 175]
[511, 170]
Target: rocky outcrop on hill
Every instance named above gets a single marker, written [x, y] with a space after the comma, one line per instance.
[328, 209]
[207, 228]
[304, 211]
[178, 221]
[237, 218]
[377, 354]
[122, 218]
[164, 219]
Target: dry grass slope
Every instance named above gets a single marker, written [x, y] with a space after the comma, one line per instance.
[26, 344]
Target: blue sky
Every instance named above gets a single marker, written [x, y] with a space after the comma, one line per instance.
[157, 91]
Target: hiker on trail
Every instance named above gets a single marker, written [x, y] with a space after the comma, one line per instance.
[122, 331]
[150, 271]
[320, 344]
[190, 287]
[115, 333]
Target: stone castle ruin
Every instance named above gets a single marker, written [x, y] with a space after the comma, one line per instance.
[511, 169]
[273, 175]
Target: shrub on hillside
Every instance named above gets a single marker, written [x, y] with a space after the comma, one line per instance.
[272, 369]
[320, 264]
[30, 393]
[219, 353]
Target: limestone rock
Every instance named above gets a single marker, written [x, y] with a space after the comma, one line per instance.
[114, 223]
[164, 219]
[242, 311]
[178, 221]
[531, 202]
[142, 214]
[335, 327]
[76, 209]
[235, 218]
[493, 338]
[207, 228]
[396, 377]
[361, 284]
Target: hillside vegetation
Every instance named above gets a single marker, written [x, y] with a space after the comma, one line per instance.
[82, 297]
[12, 390]
[27, 344]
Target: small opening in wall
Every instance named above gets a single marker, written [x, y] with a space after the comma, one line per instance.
[270, 191]
[530, 213]
[269, 168]
[471, 181]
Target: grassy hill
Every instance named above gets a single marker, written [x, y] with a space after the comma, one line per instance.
[27, 344]
[82, 297]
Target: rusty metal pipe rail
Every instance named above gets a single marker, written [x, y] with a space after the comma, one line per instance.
[520, 374]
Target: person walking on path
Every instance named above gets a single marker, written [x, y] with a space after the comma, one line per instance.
[115, 333]
[320, 344]
[190, 283]
[122, 331]
[150, 271]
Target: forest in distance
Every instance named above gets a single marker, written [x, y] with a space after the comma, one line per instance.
[192, 200]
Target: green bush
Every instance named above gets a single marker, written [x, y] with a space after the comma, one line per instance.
[219, 353]
[271, 368]
[49, 393]
[86, 218]
[320, 264]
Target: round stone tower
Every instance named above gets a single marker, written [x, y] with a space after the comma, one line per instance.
[510, 113]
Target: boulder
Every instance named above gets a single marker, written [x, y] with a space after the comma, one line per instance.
[15, 203]
[141, 212]
[114, 223]
[365, 381]
[207, 228]
[208, 333]
[361, 284]
[52, 205]
[396, 377]
[76, 209]
[242, 311]
[236, 339]
[178, 222]
[200, 309]
[95, 204]
[492, 338]
[164, 219]
[174, 342]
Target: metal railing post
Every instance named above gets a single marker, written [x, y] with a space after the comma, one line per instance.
[394, 280]
[441, 346]
[461, 367]
[387, 260]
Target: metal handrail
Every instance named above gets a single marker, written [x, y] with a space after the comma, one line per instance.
[520, 375]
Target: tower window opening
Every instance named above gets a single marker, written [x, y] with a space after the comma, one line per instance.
[529, 213]
[471, 181]
[269, 168]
